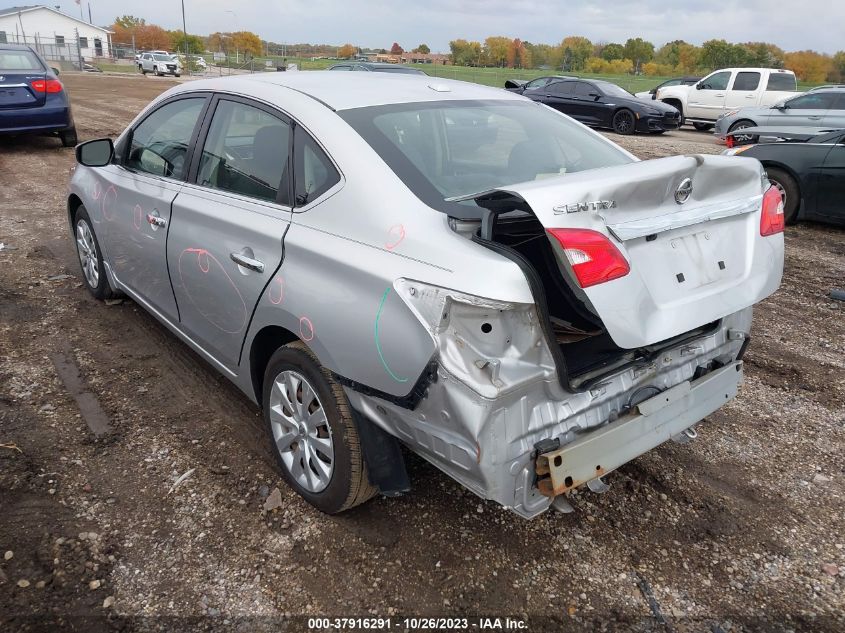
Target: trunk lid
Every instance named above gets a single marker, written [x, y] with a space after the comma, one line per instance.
[695, 256]
[16, 89]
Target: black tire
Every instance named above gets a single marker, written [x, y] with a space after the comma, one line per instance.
[177, 75]
[658, 132]
[101, 290]
[624, 122]
[790, 191]
[68, 137]
[743, 139]
[349, 485]
[703, 127]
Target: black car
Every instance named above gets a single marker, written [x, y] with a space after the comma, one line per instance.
[603, 104]
[377, 67]
[807, 165]
[521, 85]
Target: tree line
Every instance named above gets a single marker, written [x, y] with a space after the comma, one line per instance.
[579, 54]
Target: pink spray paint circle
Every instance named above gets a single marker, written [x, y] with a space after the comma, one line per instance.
[276, 291]
[137, 216]
[395, 235]
[109, 198]
[97, 190]
[213, 293]
[306, 329]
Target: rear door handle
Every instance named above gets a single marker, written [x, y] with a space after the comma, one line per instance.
[247, 262]
[814, 118]
[155, 220]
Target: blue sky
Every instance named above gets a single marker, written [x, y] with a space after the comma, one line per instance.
[375, 23]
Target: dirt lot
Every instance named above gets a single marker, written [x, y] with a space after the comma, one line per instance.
[743, 529]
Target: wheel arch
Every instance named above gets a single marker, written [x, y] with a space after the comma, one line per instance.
[264, 345]
[73, 204]
[735, 123]
[791, 172]
[675, 103]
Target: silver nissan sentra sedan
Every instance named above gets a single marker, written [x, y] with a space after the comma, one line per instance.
[381, 260]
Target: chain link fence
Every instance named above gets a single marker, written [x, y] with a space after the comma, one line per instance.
[66, 52]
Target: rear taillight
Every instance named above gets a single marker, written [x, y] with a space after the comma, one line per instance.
[593, 257]
[771, 218]
[47, 85]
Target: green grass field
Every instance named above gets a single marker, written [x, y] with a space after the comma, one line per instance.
[486, 76]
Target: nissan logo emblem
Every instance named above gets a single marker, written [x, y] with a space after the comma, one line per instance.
[684, 191]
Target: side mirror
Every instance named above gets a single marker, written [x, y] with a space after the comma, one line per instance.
[698, 86]
[55, 70]
[780, 106]
[96, 153]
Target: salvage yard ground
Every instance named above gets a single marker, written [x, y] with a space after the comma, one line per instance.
[743, 529]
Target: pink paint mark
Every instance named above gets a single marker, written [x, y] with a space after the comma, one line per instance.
[306, 329]
[109, 198]
[137, 217]
[98, 191]
[276, 291]
[204, 261]
[396, 234]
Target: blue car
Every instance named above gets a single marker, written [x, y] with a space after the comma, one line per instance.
[32, 99]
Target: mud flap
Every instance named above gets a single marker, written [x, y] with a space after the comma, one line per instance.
[383, 455]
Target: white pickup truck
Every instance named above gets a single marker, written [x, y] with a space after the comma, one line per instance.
[728, 89]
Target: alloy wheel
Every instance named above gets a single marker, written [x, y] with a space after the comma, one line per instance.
[87, 249]
[623, 122]
[301, 431]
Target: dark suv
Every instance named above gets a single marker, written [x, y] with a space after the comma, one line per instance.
[377, 67]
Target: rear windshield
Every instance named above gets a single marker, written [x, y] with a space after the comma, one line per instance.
[19, 60]
[612, 90]
[449, 149]
[782, 81]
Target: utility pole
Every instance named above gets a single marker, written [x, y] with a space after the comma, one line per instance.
[185, 33]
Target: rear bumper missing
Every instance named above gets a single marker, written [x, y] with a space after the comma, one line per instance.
[653, 422]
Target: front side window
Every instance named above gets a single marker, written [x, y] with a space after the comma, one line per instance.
[447, 149]
[782, 82]
[536, 83]
[246, 152]
[717, 81]
[159, 145]
[561, 88]
[162, 58]
[314, 172]
[746, 81]
[813, 101]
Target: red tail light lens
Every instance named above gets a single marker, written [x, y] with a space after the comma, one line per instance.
[49, 85]
[771, 218]
[593, 257]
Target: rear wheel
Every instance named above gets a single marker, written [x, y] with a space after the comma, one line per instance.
[68, 137]
[624, 122]
[314, 436]
[90, 256]
[703, 127]
[789, 192]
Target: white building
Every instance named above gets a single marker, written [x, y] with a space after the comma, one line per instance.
[56, 35]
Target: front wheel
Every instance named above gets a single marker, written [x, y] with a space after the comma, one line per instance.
[90, 257]
[789, 192]
[315, 439]
[703, 127]
[624, 122]
[742, 139]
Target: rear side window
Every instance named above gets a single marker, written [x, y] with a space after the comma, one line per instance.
[19, 60]
[582, 89]
[246, 152]
[561, 88]
[746, 81]
[314, 172]
[160, 142]
[782, 81]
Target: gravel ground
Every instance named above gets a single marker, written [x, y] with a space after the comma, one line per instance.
[741, 530]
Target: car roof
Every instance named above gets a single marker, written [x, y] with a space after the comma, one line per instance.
[344, 91]
[15, 47]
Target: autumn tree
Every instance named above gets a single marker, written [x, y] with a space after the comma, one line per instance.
[423, 49]
[244, 42]
[809, 66]
[518, 55]
[639, 51]
[146, 36]
[464, 53]
[612, 51]
[396, 49]
[576, 50]
[764, 55]
[838, 67]
[196, 44]
[496, 50]
[346, 51]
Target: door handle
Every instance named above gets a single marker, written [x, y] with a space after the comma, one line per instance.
[749, 96]
[155, 220]
[247, 262]
[814, 118]
[720, 95]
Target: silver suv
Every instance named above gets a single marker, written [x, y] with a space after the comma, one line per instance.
[383, 260]
[159, 63]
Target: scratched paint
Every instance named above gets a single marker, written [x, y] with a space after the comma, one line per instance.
[384, 364]
[395, 235]
[306, 329]
[211, 290]
[108, 200]
[276, 291]
[97, 190]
